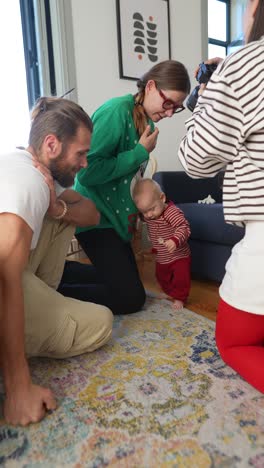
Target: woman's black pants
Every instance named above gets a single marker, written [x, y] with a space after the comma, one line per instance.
[112, 279]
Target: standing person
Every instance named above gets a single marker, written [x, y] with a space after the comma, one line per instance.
[169, 232]
[123, 137]
[227, 131]
[35, 319]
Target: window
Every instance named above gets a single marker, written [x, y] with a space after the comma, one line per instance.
[237, 17]
[37, 59]
[14, 117]
[218, 27]
[48, 45]
[38, 48]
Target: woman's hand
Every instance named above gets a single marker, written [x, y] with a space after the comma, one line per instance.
[215, 60]
[201, 89]
[55, 206]
[148, 139]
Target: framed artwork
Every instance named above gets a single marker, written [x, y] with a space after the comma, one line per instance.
[143, 28]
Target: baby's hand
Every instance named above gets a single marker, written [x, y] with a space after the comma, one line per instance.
[160, 241]
[170, 245]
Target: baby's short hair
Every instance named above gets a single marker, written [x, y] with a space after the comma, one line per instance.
[143, 185]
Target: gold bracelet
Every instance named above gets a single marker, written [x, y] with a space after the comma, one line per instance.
[64, 211]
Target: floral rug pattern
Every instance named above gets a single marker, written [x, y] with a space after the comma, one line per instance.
[158, 395]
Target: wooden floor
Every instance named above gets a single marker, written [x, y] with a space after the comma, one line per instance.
[203, 297]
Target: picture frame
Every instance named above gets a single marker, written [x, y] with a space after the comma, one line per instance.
[143, 32]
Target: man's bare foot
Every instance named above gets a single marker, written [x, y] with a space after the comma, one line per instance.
[177, 305]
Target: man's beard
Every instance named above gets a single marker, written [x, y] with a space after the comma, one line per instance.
[63, 176]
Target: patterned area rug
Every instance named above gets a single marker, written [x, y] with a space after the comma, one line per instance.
[157, 395]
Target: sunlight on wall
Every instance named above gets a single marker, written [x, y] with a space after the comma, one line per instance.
[14, 117]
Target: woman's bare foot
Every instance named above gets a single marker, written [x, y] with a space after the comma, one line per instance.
[177, 305]
[157, 295]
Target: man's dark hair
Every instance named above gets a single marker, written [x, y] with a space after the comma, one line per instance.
[58, 116]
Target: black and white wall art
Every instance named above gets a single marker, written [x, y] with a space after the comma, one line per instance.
[143, 28]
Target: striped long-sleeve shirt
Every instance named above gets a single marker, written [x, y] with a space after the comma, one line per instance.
[170, 225]
[226, 130]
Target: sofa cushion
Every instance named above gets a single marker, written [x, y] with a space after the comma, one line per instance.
[207, 223]
[180, 188]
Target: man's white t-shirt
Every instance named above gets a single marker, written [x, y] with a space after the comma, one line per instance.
[23, 190]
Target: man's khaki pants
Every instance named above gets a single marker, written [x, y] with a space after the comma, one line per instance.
[58, 326]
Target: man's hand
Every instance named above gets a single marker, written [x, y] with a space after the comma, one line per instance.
[24, 401]
[148, 139]
[170, 245]
[28, 404]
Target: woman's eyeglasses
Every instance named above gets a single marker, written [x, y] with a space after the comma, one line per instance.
[168, 104]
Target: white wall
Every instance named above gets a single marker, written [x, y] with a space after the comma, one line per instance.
[97, 69]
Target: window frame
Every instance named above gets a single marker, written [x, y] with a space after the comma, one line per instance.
[48, 48]
[31, 55]
[226, 43]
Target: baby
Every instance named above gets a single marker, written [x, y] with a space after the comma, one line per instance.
[168, 231]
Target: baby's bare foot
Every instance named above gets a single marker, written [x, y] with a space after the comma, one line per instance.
[177, 305]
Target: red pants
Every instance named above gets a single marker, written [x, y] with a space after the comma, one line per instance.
[175, 278]
[240, 341]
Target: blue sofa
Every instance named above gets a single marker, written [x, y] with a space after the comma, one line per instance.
[211, 239]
